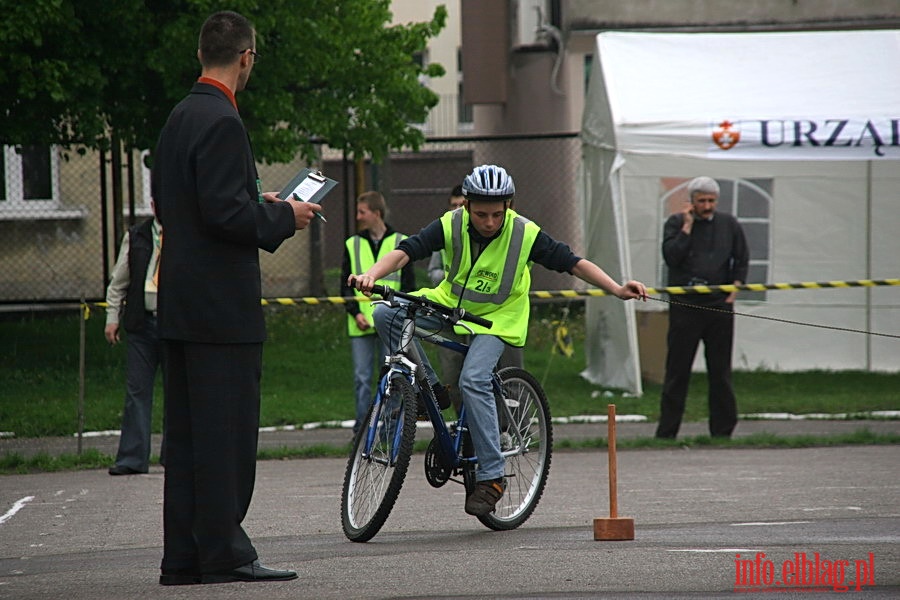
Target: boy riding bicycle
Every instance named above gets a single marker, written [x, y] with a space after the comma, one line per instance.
[487, 249]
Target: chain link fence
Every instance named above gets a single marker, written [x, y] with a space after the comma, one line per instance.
[63, 213]
[62, 222]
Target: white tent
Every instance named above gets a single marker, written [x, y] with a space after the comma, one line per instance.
[802, 130]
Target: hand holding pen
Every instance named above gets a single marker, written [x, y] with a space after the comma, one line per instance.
[318, 214]
[303, 211]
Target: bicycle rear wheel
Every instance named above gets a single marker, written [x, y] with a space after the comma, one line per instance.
[526, 436]
[378, 462]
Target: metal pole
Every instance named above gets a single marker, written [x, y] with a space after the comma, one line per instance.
[82, 317]
[868, 263]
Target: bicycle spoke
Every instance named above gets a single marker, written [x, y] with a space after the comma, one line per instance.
[528, 457]
[373, 479]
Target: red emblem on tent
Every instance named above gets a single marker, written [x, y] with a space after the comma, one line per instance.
[726, 135]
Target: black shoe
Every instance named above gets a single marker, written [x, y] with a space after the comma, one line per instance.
[442, 394]
[180, 577]
[250, 572]
[122, 470]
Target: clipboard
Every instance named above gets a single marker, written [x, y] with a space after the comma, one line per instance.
[309, 185]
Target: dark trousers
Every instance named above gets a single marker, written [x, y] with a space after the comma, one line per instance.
[687, 327]
[212, 429]
[142, 359]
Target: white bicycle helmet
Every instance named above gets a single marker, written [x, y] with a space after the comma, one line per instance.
[489, 182]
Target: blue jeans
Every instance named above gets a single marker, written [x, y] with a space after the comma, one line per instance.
[368, 353]
[474, 384]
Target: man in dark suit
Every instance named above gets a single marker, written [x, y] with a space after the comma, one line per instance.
[211, 321]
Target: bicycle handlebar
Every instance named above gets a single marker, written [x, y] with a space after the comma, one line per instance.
[455, 314]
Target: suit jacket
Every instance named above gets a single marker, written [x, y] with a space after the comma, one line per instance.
[206, 189]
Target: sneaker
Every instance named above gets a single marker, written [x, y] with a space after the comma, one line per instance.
[484, 497]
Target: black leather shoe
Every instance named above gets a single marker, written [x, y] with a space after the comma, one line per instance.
[179, 577]
[250, 572]
[120, 470]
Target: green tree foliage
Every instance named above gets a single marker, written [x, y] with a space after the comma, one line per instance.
[75, 72]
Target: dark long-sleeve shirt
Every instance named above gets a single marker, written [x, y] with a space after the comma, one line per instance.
[546, 251]
[714, 253]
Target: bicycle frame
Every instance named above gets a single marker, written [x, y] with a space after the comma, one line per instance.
[407, 362]
[380, 454]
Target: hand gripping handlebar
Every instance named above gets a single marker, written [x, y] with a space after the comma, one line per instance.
[453, 314]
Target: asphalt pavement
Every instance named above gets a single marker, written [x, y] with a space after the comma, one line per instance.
[709, 523]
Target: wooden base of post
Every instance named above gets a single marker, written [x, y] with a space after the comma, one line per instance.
[614, 528]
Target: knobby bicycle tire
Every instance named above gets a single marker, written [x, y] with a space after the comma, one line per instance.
[527, 469]
[372, 481]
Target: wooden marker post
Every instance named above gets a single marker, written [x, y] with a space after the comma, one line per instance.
[615, 527]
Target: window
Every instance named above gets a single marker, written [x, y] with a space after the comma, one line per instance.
[421, 60]
[30, 180]
[750, 200]
[142, 206]
[464, 114]
[587, 66]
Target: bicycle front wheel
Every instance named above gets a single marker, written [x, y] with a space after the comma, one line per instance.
[526, 438]
[378, 462]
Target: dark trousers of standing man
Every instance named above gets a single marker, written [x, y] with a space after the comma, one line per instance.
[141, 364]
[687, 327]
[212, 430]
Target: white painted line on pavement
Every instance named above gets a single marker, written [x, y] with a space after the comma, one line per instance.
[711, 550]
[599, 419]
[767, 523]
[19, 504]
[584, 419]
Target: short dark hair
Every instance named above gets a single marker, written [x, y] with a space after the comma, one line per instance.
[456, 191]
[223, 37]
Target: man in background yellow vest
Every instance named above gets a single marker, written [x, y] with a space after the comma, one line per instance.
[488, 249]
[375, 239]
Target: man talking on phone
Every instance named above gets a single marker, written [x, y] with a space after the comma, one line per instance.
[702, 247]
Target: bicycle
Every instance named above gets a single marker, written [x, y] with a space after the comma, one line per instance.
[381, 451]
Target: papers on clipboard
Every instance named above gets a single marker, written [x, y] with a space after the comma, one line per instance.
[309, 186]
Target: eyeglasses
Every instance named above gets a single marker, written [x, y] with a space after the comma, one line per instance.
[252, 53]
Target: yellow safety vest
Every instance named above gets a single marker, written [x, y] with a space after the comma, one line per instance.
[361, 260]
[495, 287]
